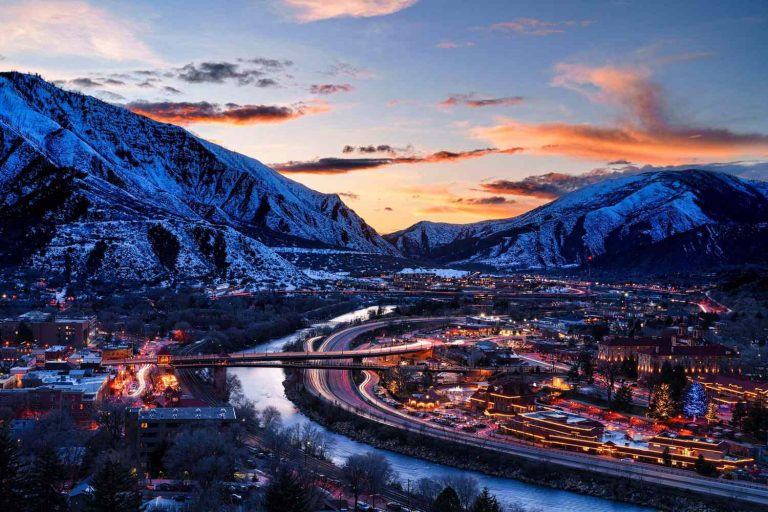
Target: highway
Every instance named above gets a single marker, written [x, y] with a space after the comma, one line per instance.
[338, 387]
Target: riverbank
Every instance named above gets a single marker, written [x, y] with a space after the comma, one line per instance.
[500, 465]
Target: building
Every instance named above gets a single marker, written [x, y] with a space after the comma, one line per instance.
[619, 348]
[683, 451]
[77, 392]
[557, 429]
[730, 390]
[503, 401]
[146, 429]
[44, 329]
[116, 351]
[651, 353]
[696, 360]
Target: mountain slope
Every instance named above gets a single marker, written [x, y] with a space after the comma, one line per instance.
[77, 174]
[662, 220]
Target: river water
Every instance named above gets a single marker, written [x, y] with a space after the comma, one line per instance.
[265, 387]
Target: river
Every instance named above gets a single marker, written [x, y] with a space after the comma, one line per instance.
[265, 387]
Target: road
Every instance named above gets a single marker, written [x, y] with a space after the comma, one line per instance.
[338, 387]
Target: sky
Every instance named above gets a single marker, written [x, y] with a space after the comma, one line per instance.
[410, 110]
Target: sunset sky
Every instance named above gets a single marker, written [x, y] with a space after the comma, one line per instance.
[453, 111]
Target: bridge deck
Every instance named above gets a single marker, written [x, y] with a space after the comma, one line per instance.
[203, 360]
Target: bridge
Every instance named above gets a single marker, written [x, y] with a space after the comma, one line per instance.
[257, 358]
[344, 360]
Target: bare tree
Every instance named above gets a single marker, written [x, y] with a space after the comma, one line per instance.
[353, 472]
[271, 418]
[466, 487]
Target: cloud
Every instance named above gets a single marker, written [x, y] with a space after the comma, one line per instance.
[470, 100]
[171, 90]
[348, 70]
[380, 148]
[645, 130]
[184, 113]
[555, 184]
[334, 165]
[537, 27]
[48, 27]
[330, 88]
[220, 72]
[306, 11]
[271, 64]
[485, 200]
[85, 83]
[389, 208]
[349, 195]
[440, 200]
[547, 186]
[451, 45]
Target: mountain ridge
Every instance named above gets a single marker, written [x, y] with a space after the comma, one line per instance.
[74, 162]
[604, 223]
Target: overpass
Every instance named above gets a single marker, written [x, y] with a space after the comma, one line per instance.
[279, 358]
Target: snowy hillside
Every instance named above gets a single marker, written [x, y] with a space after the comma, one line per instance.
[693, 215]
[88, 182]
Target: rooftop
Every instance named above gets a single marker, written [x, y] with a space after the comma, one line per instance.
[188, 413]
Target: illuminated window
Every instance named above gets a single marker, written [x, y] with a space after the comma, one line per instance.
[144, 425]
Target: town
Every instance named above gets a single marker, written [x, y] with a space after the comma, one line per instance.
[620, 379]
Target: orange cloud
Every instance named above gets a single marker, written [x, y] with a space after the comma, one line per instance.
[184, 113]
[644, 131]
[315, 10]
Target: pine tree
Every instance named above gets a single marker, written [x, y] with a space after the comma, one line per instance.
[447, 501]
[46, 483]
[114, 488]
[696, 402]
[661, 405]
[286, 494]
[486, 502]
[10, 472]
[666, 457]
[623, 399]
[739, 413]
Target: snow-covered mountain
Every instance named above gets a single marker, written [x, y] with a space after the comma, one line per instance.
[661, 220]
[93, 189]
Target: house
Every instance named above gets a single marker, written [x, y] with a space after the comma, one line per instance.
[557, 429]
[502, 401]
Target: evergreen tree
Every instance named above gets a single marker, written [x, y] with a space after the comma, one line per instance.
[286, 494]
[447, 501]
[666, 456]
[661, 406]
[704, 467]
[10, 472]
[623, 399]
[114, 488]
[46, 482]
[486, 502]
[739, 413]
[696, 402]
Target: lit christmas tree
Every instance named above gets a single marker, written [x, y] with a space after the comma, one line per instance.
[712, 412]
[661, 405]
[696, 402]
